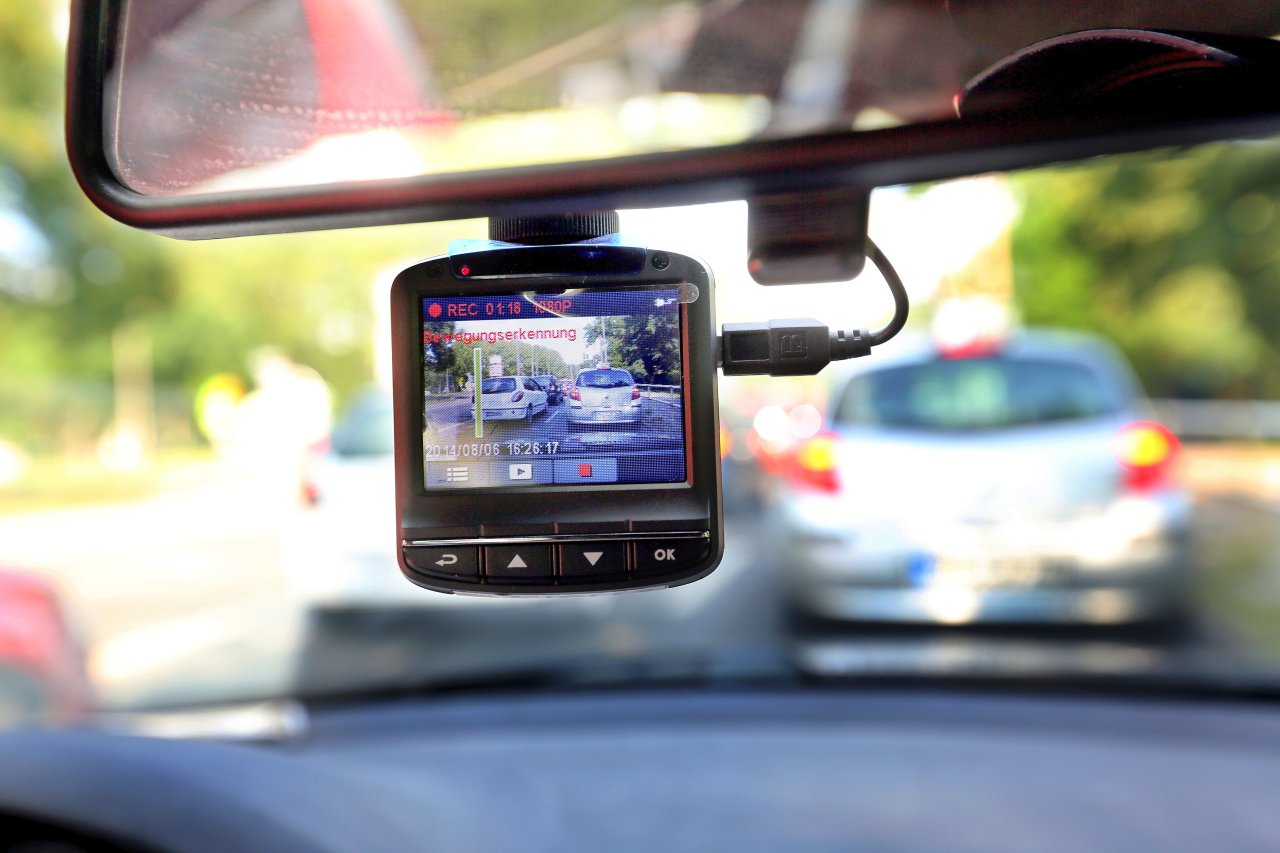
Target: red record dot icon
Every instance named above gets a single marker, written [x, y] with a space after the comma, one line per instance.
[434, 310]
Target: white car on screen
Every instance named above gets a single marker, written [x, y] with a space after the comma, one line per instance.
[510, 398]
[604, 395]
[1023, 483]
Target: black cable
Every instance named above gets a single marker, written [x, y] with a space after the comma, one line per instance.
[901, 305]
[799, 347]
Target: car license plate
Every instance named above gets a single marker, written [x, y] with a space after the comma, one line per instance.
[1004, 570]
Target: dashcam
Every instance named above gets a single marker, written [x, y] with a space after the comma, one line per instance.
[556, 423]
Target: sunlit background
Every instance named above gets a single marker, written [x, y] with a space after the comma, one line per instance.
[195, 472]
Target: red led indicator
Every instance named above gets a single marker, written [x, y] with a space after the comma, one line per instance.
[434, 310]
[465, 270]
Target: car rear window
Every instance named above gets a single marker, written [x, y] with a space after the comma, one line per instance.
[605, 378]
[545, 381]
[497, 385]
[977, 394]
[365, 431]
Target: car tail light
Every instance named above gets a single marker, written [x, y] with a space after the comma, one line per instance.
[814, 463]
[517, 397]
[975, 349]
[574, 394]
[635, 392]
[309, 490]
[1147, 451]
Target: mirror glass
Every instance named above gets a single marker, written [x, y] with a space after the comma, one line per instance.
[214, 95]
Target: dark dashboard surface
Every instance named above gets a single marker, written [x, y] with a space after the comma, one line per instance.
[795, 769]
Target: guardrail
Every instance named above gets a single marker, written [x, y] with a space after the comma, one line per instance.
[1258, 420]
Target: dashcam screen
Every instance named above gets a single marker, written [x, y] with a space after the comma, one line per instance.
[534, 390]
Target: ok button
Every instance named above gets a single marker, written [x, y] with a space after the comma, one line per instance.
[660, 556]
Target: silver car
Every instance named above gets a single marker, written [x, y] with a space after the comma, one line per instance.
[511, 398]
[1017, 484]
[604, 395]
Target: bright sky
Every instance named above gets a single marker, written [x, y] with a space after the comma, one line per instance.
[925, 236]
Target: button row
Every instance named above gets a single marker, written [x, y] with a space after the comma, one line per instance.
[588, 562]
[532, 472]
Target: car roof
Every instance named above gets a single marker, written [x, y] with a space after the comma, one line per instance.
[1041, 343]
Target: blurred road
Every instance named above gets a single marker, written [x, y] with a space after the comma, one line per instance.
[209, 540]
[183, 600]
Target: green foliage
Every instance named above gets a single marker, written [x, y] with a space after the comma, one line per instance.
[535, 360]
[647, 345]
[1174, 255]
[206, 307]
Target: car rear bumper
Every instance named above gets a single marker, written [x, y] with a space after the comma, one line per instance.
[1114, 605]
[628, 415]
[504, 414]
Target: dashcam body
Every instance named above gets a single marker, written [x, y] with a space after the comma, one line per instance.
[556, 424]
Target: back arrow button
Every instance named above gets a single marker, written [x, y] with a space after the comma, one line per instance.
[452, 562]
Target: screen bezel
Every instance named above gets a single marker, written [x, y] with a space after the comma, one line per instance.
[604, 508]
[687, 448]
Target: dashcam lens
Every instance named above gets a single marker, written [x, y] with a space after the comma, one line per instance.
[582, 388]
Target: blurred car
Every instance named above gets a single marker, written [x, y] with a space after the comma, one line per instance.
[604, 395]
[551, 385]
[507, 398]
[338, 550]
[1020, 482]
[43, 676]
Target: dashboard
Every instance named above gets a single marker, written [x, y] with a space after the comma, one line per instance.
[807, 768]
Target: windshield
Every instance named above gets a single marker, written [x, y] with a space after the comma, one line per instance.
[604, 379]
[1068, 466]
[499, 385]
[976, 394]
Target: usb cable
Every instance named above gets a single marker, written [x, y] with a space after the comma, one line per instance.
[801, 347]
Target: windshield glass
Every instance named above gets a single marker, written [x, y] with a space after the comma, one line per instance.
[196, 461]
[604, 379]
[499, 385]
[975, 394]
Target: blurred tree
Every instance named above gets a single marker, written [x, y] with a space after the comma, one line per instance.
[70, 276]
[648, 345]
[1174, 255]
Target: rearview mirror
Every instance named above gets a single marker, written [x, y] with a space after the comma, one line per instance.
[200, 118]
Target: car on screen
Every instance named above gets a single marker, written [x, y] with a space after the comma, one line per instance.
[604, 395]
[551, 385]
[1019, 483]
[510, 398]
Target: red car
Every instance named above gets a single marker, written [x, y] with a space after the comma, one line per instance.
[42, 664]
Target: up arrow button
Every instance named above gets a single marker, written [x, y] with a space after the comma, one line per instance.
[516, 562]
